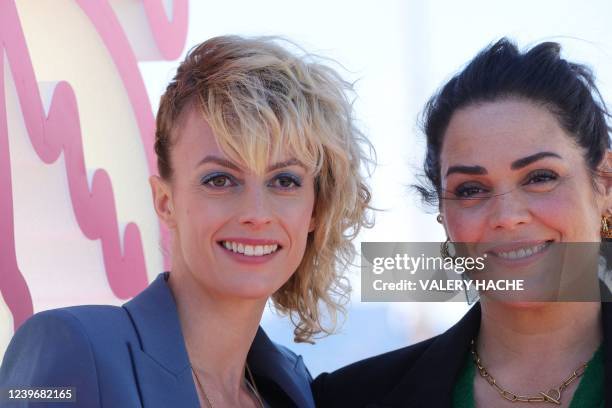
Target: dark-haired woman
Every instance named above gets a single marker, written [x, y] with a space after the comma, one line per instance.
[517, 149]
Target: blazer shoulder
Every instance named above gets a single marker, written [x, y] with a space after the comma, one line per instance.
[296, 360]
[52, 349]
[367, 380]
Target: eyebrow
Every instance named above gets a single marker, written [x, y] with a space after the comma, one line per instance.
[286, 163]
[478, 170]
[231, 165]
[525, 161]
[515, 165]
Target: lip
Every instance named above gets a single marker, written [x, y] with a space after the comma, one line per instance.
[515, 245]
[250, 260]
[250, 241]
[492, 253]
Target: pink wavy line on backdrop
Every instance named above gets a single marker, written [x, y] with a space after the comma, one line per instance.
[60, 131]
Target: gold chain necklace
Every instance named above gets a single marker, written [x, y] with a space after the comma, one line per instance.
[553, 395]
[251, 385]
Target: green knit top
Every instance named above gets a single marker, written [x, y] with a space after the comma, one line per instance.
[589, 394]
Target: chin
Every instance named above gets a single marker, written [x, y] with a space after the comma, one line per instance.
[252, 289]
[518, 304]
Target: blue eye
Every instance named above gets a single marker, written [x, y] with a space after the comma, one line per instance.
[218, 180]
[285, 181]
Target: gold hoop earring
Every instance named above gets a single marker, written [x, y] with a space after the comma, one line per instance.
[446, 250]
[606, 230]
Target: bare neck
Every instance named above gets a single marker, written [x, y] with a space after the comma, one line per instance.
[218, 332]
[533, 334]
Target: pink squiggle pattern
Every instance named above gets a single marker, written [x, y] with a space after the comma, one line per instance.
[169, 35]
[170, 38]
[60, 131]
[12, 285]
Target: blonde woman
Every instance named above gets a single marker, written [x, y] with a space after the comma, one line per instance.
[259, 183]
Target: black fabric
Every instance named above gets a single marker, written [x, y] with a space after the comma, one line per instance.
[273, 395]
[422, 375]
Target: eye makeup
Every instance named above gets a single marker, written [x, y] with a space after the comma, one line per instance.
[218, 180]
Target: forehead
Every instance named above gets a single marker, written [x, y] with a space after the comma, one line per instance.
[194, 139]
[193, 136]
[500, 132]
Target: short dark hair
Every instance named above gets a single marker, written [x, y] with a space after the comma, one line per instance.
[539, 75]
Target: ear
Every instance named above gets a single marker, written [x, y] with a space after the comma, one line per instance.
[313, 222]
[313, 218]
[442, 221]
[604, 180]
[162, 201]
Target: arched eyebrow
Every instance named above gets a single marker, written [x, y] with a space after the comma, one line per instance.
[287, 163]
[517, 164]
[231, 165]
[526, 161]
[218, 160]
[473, 170]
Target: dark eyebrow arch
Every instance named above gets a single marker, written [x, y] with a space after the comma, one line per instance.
[525, 161]
[517, 164]
[226, 163]
[477, 170]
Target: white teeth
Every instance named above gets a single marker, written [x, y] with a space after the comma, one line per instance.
[523, 252]
[250, 250]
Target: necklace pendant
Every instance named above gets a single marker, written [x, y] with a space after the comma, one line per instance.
[553, 396]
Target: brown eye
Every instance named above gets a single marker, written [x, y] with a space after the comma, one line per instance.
[218, 180]
[285, 181]
[541, 176]
[467, 191]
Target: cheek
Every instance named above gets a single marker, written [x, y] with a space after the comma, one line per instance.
[295, 216]
[570, 217]
[465, 225]
[572, 210]
[200, 219]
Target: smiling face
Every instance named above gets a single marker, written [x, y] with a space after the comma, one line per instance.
[514, 181]
[236, 233]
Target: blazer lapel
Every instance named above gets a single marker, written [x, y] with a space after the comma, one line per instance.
[161, 363]
[283, 367]
[160, 360]
[430, 382]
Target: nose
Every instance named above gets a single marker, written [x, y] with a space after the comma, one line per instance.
[509, 211]
[256, 210]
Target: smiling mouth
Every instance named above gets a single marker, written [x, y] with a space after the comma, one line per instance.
[522, 253]
[250, 250]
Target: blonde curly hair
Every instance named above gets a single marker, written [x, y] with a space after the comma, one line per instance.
[261, 99]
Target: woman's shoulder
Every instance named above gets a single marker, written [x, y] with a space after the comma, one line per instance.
[369, 379]
[89, 322]
[72, 345]
[410, 373]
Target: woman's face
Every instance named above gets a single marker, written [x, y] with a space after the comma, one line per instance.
[513, 178]
[236, 233]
